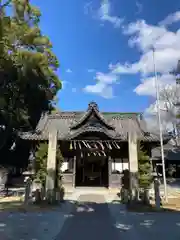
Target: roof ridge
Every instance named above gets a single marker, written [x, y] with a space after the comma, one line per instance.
[104, 115]
[102, 112]
[92, 108]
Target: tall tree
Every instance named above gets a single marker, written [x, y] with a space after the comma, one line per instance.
[28, 80]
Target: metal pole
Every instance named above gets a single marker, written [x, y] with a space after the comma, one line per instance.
[177, 103]
[160, 127]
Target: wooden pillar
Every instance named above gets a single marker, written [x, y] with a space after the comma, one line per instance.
[51, 164]
[110, 170]
[133, 165]
[74, 172]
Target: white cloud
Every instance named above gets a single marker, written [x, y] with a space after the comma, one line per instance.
[139, 7]
[166, 60]
[147, 86]
[126, 68]
[103, 86]
[172, 18]
[167, 117]
[88, 8]
[168, 97]
[106, 78]
[69, 70]
[144, 37]
[100, 89]
[153, 109]
[91, 70]
[153, 123]
[74, 90]
[104, 14]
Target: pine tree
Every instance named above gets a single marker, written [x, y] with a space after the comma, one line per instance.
[59, 161]
[41, 163]
[144, 173]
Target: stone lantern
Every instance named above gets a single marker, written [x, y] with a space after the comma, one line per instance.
[156, 178]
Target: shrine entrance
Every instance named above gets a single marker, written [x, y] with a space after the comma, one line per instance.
[92, 171]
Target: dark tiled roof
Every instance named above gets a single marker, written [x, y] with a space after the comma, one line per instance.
[71, 124]
[171, 152]
[63, 121]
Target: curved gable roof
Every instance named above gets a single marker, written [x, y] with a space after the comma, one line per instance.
[68, 124]
[92, 110]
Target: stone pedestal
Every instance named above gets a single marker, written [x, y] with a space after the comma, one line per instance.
[51, 165]
[27, 190]
[157, 193]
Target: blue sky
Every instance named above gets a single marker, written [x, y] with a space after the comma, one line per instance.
[104, 49]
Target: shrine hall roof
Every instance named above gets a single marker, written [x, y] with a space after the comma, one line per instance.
[69, 125]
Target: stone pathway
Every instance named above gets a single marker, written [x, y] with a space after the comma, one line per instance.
[91, 220]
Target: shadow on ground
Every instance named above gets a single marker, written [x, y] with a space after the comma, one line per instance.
[18, 221]
[87, 218]
[102, 220]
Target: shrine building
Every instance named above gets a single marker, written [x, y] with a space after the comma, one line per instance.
[96, 146]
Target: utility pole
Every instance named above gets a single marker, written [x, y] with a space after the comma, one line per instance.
[160, 126]
[178, 101]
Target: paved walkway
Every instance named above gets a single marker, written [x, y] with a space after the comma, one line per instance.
[90, 220]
